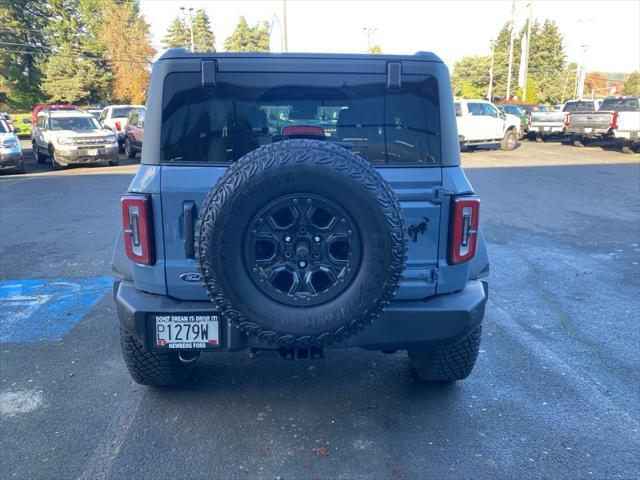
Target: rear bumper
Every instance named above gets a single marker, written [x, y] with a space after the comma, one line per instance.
[440, 320]
[546, 129]
[588, 131]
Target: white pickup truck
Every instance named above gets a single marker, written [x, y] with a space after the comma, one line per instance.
[481, 123]
[543, 125]
[618, 118]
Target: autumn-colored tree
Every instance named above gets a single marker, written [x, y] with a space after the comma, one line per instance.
[375, 49]
[596, 84]
[129, 60]
[632, 84]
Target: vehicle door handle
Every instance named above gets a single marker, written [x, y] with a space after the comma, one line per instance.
[188, 210]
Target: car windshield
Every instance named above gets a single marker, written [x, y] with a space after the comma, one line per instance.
[629, 104]
[122, 111]
[541, 108]
[4, 128]
[79, 124]
[245, 111]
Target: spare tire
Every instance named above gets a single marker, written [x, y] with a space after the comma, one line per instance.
[301, 243]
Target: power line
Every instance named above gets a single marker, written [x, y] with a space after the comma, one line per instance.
[85, 53]
[84, 57]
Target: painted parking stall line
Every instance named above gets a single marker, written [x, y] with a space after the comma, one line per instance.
[46, 309]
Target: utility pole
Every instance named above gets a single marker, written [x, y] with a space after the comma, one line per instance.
[190, 10]
[490, 92]
[583, 72]
[369, 31]
[511, 35]
[284, 17]
[526, 65]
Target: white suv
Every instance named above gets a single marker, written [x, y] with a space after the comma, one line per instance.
[114, 118]
[481, 123]
[72, 137]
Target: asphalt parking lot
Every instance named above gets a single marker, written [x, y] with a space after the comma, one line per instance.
[555, 393]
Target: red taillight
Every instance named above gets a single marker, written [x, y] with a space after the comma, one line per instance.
[303, 130]
[118, 126]
[463, 234]
[614, 120]
[567, 120]
[138, 231]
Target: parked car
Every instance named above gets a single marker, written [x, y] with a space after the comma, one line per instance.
[95, 113]
[529, 109]
[618, 119]
[50, 107]
[298, 237]
[515, 110]
[543, 125]
[71, 138]
[134, 133]
[5, 116]
[11, 157]
[114, 117]
[481, 123]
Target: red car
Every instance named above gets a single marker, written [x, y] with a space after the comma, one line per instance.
[55, 106]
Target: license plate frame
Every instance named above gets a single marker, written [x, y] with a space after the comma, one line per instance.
[168, 331]
[90, 152]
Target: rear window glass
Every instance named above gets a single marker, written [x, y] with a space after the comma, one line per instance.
[630, 104]
[122, 112]
[245, 111]
[579, 107]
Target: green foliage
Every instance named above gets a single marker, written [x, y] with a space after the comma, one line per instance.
[248, 39]
[375, 49]
[203, 38]
[177, 36]
[532, 92]
[470, 77]
[21, 26]
[632, 84]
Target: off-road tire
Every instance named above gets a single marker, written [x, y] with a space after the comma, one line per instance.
[288, 168]
[160, 368]
[113, 163]
[447, 364]
[52, 157]
[510, 140]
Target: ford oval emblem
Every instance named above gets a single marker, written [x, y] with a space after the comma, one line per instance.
[191, 277]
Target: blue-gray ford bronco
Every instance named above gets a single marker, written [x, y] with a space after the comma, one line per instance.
[298, 203]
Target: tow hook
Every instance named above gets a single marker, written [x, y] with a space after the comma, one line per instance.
[313, 353]
[186, 356]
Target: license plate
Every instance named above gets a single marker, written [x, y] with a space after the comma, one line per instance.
[90, 152]
[195, 331]
[588, 130]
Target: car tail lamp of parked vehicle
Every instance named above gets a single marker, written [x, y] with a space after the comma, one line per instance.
[118, 127]
[613, 123]
[463, 233]
[137, 226]
[567, 120]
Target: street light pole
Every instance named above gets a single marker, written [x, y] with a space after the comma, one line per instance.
[190, 10]
[490, 92]
[284, 18]
[369, 31]
[526, 65]
[511, 39]
[583, 72]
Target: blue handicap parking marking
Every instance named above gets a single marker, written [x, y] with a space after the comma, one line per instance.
[46, 309]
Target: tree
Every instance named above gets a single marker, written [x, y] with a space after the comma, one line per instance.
[22, 52]
[632, 84]
[73, 70]
[248, 39]
[129, 61]
[203, 38]
[547, 61]
[470, 77]
[532, 91]
[375, 49]
[177, 36]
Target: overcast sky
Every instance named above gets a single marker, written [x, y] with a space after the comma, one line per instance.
[451, 29]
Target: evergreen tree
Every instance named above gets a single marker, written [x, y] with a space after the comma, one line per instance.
[547, 61]
[470, 77]
[203, 37]
[632, 84]
[178, 35]
[248, 39]
[22, 50]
